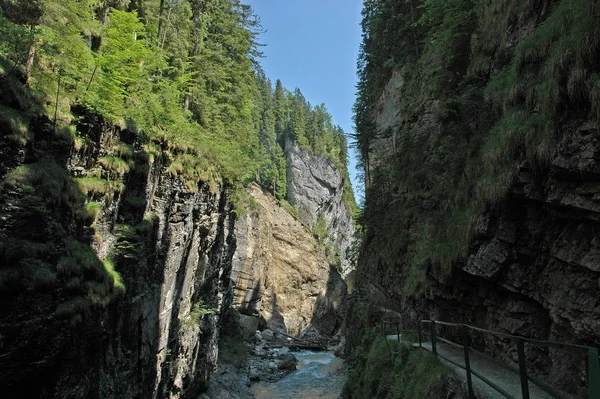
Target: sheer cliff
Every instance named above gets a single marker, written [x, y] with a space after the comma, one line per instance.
[113, 285]
[478, 127]
[316, 188]
[281, 272]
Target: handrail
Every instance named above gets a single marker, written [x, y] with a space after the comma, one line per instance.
[532, 340]
[593, 359]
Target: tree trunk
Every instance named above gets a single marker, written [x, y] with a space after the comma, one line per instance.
[31, 56]
[161, 9]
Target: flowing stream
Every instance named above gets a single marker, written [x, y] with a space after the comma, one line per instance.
[318, 375]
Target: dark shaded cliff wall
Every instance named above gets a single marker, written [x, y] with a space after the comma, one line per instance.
[72, 327]
[481, 139]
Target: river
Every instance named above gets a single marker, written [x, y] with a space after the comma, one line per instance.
[319, 375]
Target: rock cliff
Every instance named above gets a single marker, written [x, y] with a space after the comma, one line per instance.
[533, 264]
[280, 272]
[482, 205]
[316, 188]
[117, 272]
[76, 331]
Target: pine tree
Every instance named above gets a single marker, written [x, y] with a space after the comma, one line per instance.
[281, 111]
[298, 118]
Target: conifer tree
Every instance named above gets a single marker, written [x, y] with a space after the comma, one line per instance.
[281, 111]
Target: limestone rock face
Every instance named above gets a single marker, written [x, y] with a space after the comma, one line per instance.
[533, 268]
[67, 330]
[280, 271]
[315, 188]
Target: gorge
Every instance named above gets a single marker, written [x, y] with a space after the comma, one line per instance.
[175, 225]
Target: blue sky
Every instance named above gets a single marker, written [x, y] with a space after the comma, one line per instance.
[313, 45]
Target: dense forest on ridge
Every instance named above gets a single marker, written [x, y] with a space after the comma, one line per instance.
[185, 74]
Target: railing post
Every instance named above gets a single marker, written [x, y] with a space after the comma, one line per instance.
[593, 373]
[419, 332]
[433, 339]
[523, 369]
[465, 339]
[398, 330]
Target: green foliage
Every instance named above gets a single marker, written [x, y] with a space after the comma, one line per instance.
[124, 151]
[128, 246]
[115, 166]
[117, 281]
[333, 256]
[93, 186]
[15, 44]
[450, 24]
[183, 74]
[120, 62]
[41, 253]
[92, 209]
[390, 370]
[46, 180]
[79, 258]
[348, 197]
[244, 203]
[84, 272]
[320, 228]
[197, 312]
[146, 226]
[192, 170]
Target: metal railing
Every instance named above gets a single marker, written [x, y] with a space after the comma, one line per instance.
[593, 361]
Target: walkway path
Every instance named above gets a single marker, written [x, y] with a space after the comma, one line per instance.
[501, 376]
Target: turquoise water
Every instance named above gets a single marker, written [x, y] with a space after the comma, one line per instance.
[319, 375]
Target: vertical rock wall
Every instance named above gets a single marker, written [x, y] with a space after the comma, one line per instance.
[280, 271]
[532, 266]
[175, 249]
[68, 329]
[315, 188]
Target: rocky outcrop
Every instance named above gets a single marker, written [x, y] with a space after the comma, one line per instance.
[280, 272]
[532, 267]
[315, 186]
[535, 259]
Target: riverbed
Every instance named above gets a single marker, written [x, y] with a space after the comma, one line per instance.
[319, 375]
